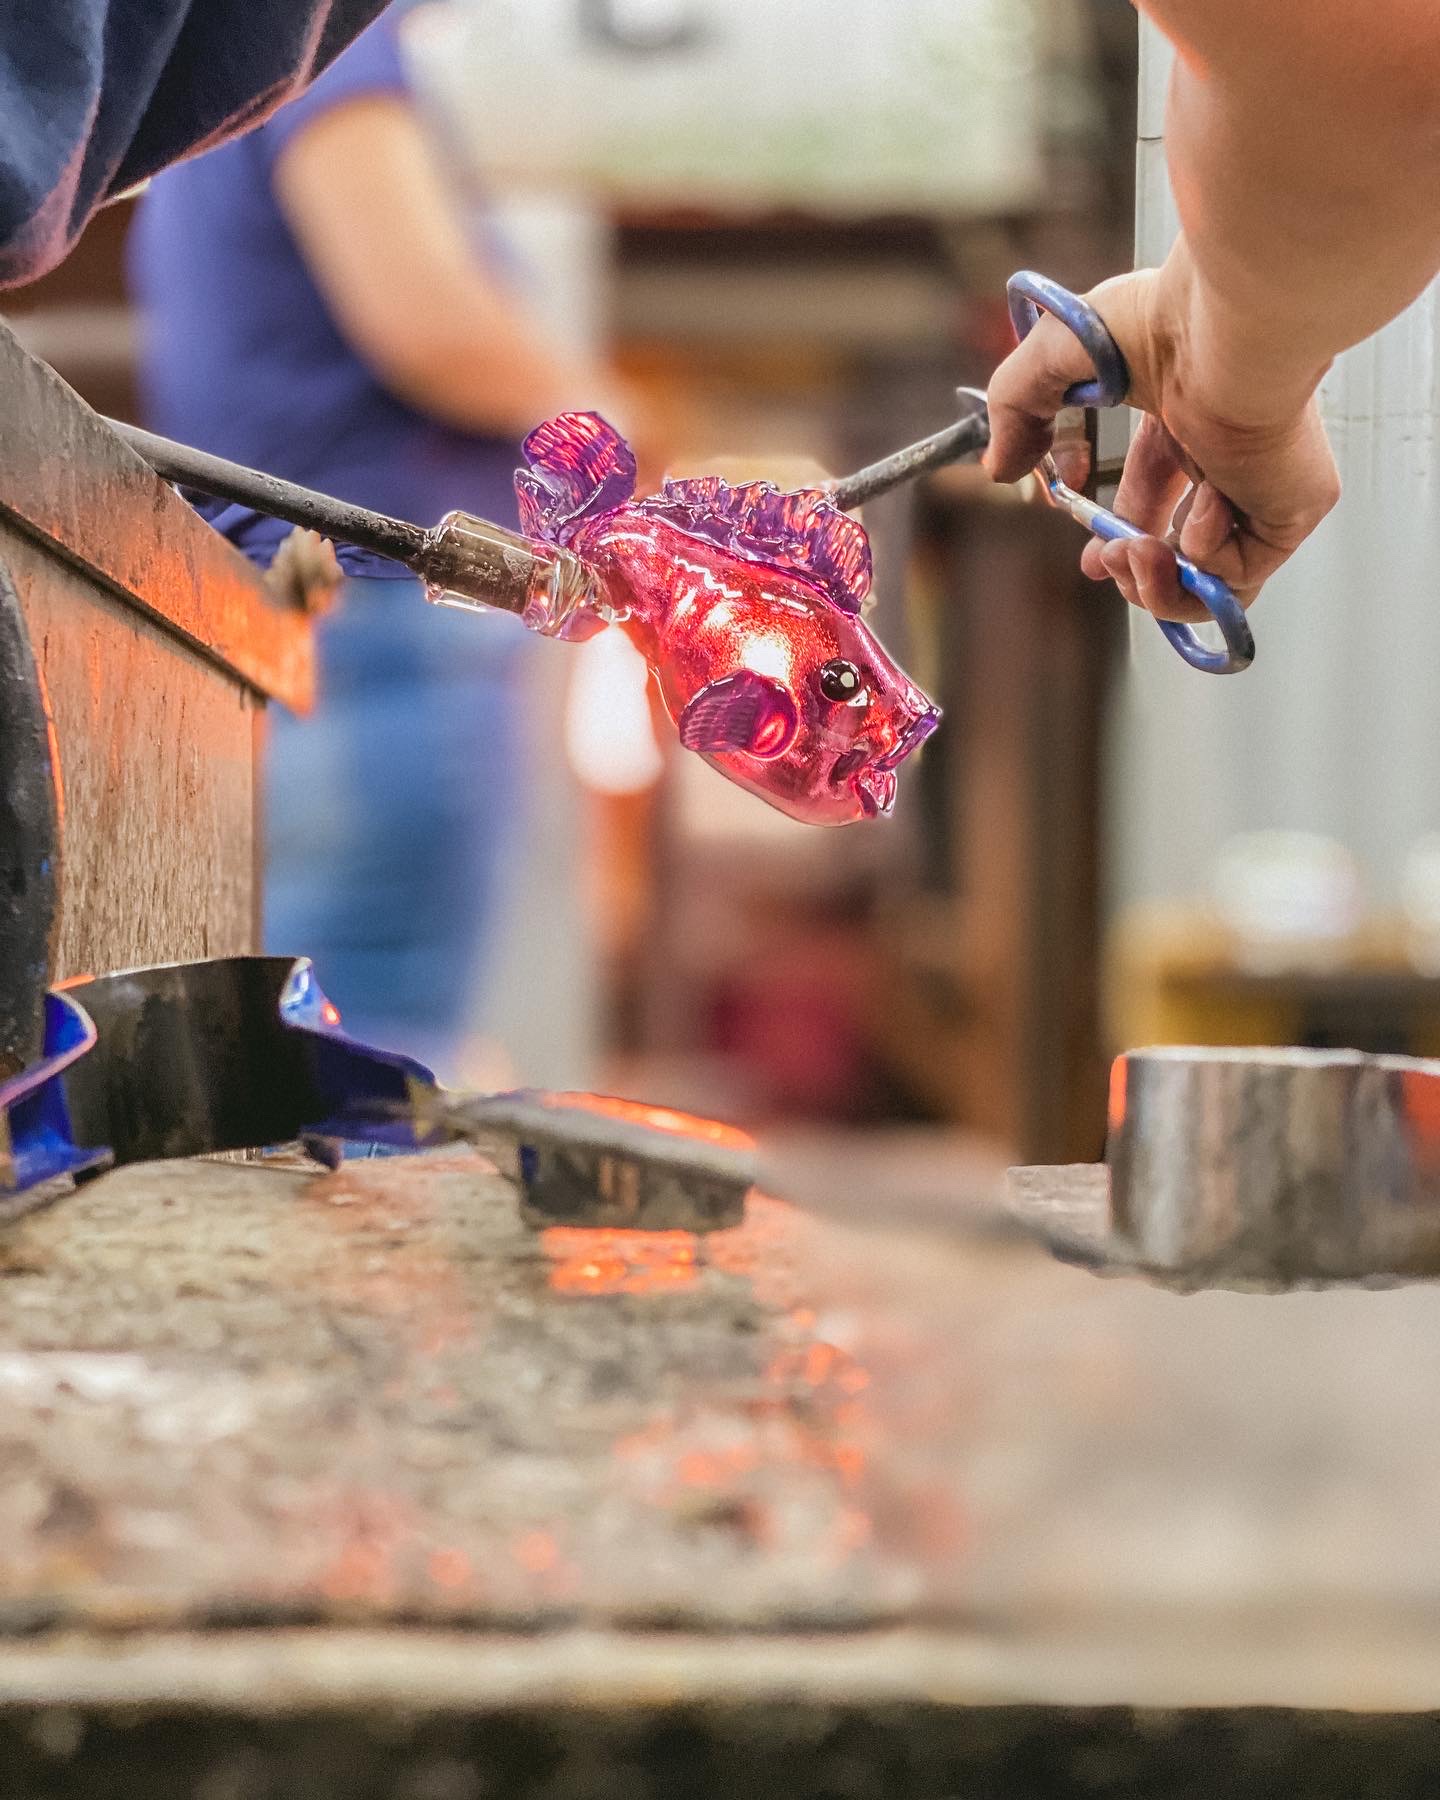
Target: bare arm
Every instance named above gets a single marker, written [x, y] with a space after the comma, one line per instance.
[371, 214]
[1304, 146]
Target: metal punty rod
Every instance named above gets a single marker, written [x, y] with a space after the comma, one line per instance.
[398, 539]
[967, 437]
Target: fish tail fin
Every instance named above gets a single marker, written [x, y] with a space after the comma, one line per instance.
[577, 466]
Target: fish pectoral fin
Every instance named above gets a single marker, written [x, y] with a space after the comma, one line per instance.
[742, 712]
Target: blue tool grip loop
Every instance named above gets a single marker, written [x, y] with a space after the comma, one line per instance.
[1213, 595]
[1029, 295]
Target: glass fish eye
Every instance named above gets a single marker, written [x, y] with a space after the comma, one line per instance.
[840, 682]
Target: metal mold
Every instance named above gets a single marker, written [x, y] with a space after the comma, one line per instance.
[1271, 1168]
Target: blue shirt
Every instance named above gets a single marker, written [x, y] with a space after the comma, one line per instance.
[240, 354]
[96, 95]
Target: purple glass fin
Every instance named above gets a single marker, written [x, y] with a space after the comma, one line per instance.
[801, 531]
[578, 467]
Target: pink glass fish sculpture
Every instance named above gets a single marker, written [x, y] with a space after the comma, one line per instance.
[745, 602]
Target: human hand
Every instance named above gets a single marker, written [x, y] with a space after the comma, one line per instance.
[305, 572]
[1230, 464]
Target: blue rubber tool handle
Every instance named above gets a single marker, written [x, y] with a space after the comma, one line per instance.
[1029, 295]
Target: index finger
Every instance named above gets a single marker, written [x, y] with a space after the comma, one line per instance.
[1026, 392]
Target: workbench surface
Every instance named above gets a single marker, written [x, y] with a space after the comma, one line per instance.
[353, 1475]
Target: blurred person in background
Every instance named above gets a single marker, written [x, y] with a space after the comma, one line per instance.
[313, 305]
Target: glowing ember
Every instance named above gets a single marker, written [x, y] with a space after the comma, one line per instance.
[450, 1568]
[745, 602]
[788, 1468]
[537, 1552]
[1421, 1107]
[618, 1262]
[1115, 1110]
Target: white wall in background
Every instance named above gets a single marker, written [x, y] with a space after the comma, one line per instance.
[852, 104]
[1336, 728]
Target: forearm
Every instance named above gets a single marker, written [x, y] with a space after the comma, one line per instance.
[1303, 139]
[380, 235]
[471, 361]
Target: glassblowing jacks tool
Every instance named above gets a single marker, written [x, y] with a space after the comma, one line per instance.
[1030, 295]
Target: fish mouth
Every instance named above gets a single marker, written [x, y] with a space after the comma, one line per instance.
[910, 740]
[875, 788]
[873, 779]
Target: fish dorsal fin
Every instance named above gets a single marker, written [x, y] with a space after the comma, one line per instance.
[577, 467]
[802, 531]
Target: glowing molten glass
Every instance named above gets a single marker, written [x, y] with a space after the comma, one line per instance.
[745, 602]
